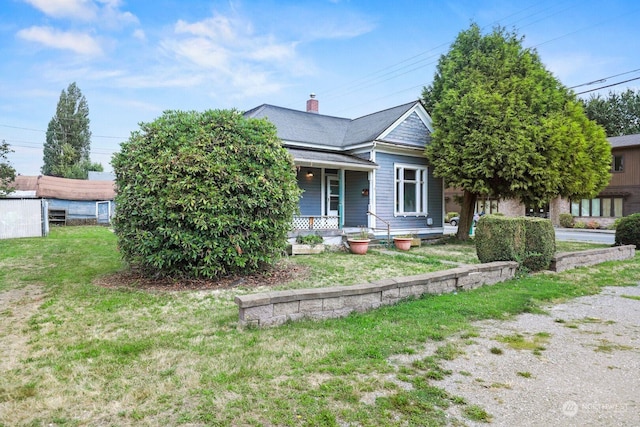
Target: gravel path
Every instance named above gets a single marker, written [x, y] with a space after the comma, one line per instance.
[588, 373]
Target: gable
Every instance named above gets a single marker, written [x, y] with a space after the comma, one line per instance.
[411, 131]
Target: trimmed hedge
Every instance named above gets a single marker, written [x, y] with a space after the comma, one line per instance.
[566, 220]
[204, 195]
[527, 240]
[628, 230]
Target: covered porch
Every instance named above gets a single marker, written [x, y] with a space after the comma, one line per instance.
[336, 191]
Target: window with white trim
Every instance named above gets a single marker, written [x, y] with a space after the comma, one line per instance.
[410, 190]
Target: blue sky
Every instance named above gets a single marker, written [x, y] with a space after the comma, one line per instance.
[134, 59]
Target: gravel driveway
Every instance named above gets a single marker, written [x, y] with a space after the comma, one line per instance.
[586, 371]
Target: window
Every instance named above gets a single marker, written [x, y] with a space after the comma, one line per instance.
[487, 206]
[618, 163]
[600, 207]
[410, 190]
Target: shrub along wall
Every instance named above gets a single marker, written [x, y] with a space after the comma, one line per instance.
[529, 241]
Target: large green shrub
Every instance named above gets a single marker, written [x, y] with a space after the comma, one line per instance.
[628, 230]
[203, 195]
[540, 246]
[529, 241]
[499, 238]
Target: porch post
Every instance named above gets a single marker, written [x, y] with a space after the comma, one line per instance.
[341, 198]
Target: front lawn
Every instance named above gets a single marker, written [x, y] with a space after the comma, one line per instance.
[73, 353]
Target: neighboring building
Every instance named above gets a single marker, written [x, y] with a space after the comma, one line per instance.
[367, 172]
[620, 198]
[70, 201]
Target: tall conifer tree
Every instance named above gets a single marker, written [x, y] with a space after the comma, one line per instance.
[66, 150]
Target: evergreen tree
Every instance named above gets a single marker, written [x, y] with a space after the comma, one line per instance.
[505, 127]
[68, 136]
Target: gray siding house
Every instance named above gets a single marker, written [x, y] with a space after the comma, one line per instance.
[368, 172]
[70, 201]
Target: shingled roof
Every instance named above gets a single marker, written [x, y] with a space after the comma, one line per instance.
[296, 126]
[51, 187]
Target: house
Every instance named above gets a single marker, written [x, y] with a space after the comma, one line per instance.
[620, 198]
[368, 172]
[70, 201]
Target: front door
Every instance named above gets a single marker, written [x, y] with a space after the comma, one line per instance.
[333, 195]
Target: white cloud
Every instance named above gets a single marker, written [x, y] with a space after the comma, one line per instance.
[217, 27]
[139, 34]
[80, 43]
[201, 52]
[82, 9]
[227, 45]
[112, 16]
[105, 12]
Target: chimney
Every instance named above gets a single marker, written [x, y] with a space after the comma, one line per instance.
[312, 104]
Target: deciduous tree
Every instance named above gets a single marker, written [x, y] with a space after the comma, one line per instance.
[618, 113]
[7, 172]
[505, 127]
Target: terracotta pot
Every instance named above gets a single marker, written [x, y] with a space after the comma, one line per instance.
[403, 243]
[358, 246]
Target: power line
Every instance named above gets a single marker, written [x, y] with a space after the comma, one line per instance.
[611, 85]
[604, 79]
[395, 70]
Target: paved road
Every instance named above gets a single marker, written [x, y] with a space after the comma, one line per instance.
[594, 236]
[569, 234]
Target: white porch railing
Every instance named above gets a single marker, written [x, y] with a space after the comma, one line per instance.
[313, 222]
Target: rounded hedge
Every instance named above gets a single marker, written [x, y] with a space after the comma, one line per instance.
[203, 194]
[529, 241]
[628, 230]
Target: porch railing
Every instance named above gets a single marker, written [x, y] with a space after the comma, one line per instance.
[386, 223]
[316, 222]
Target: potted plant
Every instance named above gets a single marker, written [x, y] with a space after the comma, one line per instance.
[403, 242]
[359, 243]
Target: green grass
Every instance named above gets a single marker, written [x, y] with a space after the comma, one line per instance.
[521, 342]
[562, 246]
[83, 354]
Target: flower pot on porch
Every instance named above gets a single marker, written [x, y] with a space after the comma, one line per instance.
[403, 243]
[359, 246]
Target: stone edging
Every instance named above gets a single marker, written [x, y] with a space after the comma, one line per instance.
[278, 307]
[567, 260]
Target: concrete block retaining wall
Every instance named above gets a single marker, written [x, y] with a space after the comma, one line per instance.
[275, 308]
[567, 260]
